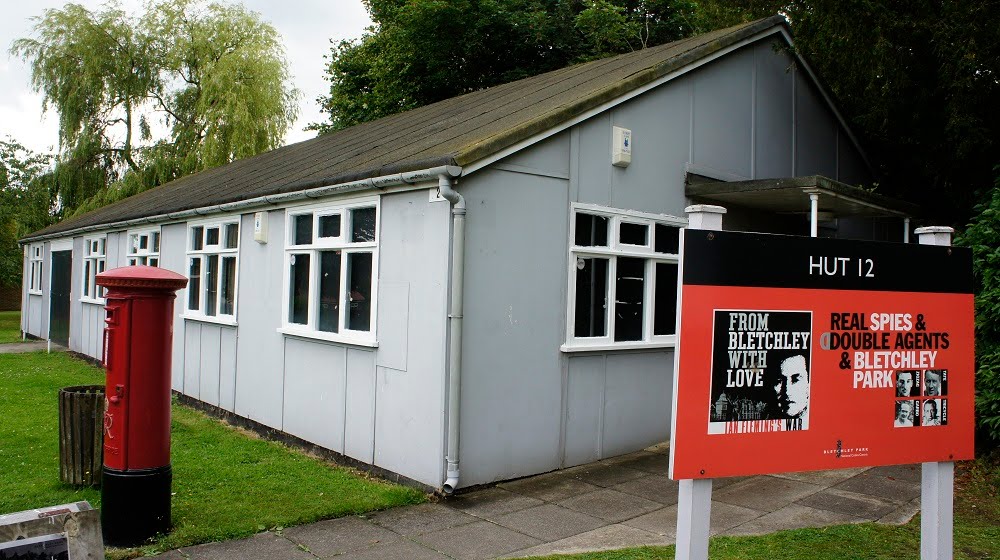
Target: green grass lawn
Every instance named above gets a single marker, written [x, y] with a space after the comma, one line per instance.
[226, 484]
[977, 531]
[10, 326]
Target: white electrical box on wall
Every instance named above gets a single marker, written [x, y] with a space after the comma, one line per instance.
[260, 227]
[621, 146]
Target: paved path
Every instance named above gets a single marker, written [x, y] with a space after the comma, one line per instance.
[32, 346]
[621, 502]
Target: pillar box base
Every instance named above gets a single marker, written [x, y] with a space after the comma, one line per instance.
[135, 505]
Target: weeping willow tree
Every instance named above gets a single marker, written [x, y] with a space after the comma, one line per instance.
[143, 100]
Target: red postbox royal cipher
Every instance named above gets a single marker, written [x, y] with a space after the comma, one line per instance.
[137, 476]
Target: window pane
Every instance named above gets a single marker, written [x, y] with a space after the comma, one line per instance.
[329, 290]
[212, 236]
[100, 246]
[303, 234]
[329, 226]
[232, 236]
[133, 243]
[363, 225]
[228, 285]
[298, 296]
[211, 284]
[359, 296]
[144, 242]
[194, 284]
[668, 239]
[633, 234]
[591, 230]
[665, 314]
[591, 297]
[629, 282]
[131, 262]
[154, 262]
[156, 242]
[86, 277]
[197, 238]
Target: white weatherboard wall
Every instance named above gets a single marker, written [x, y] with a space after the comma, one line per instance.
[527, 407]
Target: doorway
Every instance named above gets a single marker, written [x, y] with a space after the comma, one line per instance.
[59, 282]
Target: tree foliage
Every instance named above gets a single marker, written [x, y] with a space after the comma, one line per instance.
[25, 201]
[422, 51]
[143, 100]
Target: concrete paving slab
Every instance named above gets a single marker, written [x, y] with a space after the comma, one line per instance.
[876, 483]
[606, 476]
[902, 514]
[664, 521]
[624, 460]
[653, 463]
[610, 505]
[720, 483]
[793, 516]
[263, 546]
[25, 347]
[658, 488]
[823, 478]
[550, 487]
[491, 502]
[423, 518]
[337, 536]
[171, 555]
[400, 550]
[605, 538]
[912, 473]
[849, 503]
[478, 540]
[765, 493]
[550, 522]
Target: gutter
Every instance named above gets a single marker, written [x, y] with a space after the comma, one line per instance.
[377, 183]
[446, 182]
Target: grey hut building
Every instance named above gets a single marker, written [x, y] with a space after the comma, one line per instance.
[479, 289]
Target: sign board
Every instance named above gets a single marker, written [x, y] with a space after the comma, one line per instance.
[66, 532]
[799, 354]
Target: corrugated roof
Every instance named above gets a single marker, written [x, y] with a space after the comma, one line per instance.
[456, 131]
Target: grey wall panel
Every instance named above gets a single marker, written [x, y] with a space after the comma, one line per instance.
[815, 132]
[192, 359]
[584, 409]
[359, 414]
[114, 249]
[172, 257]
[636, 401]
[259, 353]
[548, 156]
[394, 296]
[315, 392]
[515, 282]
[35, 315]
[851, 168]
[723, 107]
[76, 319]
[409, 405]
[227, 369]
[654, 181]
[92, 329]
[592, 175]
[773, 112]
[208, 359]
[44, 308]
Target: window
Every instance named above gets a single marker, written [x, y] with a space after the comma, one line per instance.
[35, 269]
[144, 247]
[94, 263]
[331, 253]
[213, 252]
[623, 278]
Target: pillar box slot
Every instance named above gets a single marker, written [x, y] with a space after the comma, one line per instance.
[135, 485]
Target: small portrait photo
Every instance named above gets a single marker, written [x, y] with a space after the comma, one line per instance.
[908, 383]
[906, 414]
[935, 382]
[934, 412]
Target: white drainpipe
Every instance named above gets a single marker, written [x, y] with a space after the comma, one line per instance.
[445, 185]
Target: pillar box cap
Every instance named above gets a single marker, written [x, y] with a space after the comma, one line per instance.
[148, 277]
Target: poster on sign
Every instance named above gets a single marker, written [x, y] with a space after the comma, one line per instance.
[799, 354]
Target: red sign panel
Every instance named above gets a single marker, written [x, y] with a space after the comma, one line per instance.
[801, 354]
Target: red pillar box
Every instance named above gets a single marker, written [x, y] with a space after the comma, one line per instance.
[135, 486]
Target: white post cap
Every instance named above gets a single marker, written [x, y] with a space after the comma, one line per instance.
[705, 216]
[934, 235]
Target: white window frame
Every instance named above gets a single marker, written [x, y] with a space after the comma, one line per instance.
[346, 247]
[612, 251]
[207, 251]
[95, 261]
[135, 254]
[35, 258]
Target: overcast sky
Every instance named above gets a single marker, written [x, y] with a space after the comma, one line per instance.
[306, 26]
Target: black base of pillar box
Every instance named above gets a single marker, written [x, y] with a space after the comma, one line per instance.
[135, 505]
